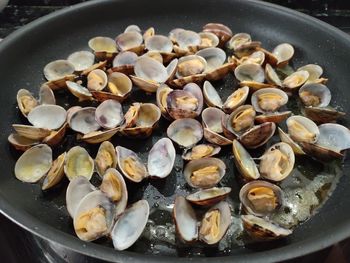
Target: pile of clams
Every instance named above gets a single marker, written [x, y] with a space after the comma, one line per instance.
[178, 75]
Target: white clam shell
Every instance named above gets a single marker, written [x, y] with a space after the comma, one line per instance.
[109, 114]
[129, 40]
[161, 158]
[46, 95]
[283, 52]
[215, 57]
[130, 225]
[125, 58]
[159, 43]
[58, 69]
[278, 92]
[150, 69]
[83, 120]
[308, 124]
[318, 90]
[78, 163]
[185, 132]
[104, 44]
[250, 72]
[211, 96]
[47, 116]
[334, 136]
[78, 90]
[34, 163]
[81, 60]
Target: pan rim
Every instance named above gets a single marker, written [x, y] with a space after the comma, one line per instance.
[49, 233]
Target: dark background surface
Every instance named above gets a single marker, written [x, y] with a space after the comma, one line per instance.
[16, 245]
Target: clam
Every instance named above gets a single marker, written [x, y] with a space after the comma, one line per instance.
[71, 111]
[131, 165]
[208, 39]
[81, 60]
[58, 84]
[242, 45]
[261, 229]
[315, 73]
[79, 91]
[96, 137]
[209, 197]
[106, 158]
[295, 80]
[146, 118]
[257, 57]
[185, 132]
[215, 58]
[31, 132]
[21, 143]
[322, 114]
[109, 114]
[124, 62]
[240, 120]
[148, 33]
[46, 95]
[201, 151]
[34, 163]
[77, 189]
[26, 101]
[119, 84]
[113, 186]
[47, 116]
[205, 172]
[185, 103]
[97, 80]
[103, 47]
[161, 158]
[161, 96]
[150, 74]
[277, 162]
[78, 163]
[286, 138]
[272, 76]
[215, 223]
[257, 135]
[187, 41]
[315, 95]
[190, 69]
[58, 69]
[283, 52]
[211, 118]
[244, 162]
[98, 65]
[83, 120]
[173, 34]
[236, 99]
[302, 129]
[55, 174]
[185, 220]
[94, 216]
[332, 141]
[221, 31]
[130, 28]
[130, 41]
[260, 198]
[270, 58]
[250, 72]
[156, 55]
[211, 96]
[159, 43]
[130, 225]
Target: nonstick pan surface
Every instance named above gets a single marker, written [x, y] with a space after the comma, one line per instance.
[24, 54]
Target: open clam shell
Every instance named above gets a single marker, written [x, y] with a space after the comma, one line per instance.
[79, 91]
[106, 158]
[94, 216]
[283, 52]
[78, 163]
[103, 47]
[109, 114]
[130, 41]
[271, 76]
[223, 32]
[119, 84]
[277, 162]
[211, 118]
[47, 116]
[113, 185]
[302, 129]
[334, 136]
[295, 80]
[34, 163]
[31, 132]
[26, 101]
[315, 72]
[315, 95]
[161, 158]
[185, 132]
[286, 138]
[130, 225]
[201, 151]
[190, 65]
[323, 114]
[236, 99]
[130, 28]
[240, 120]
[185, 220]
[205, 172]
[96, 137]
[244, 162]
[97, 80]
[269, 100]
[159, 43]
[56, 172]
[46, 95]
[211, 96]
[250, 72]
[58, 69]
[21, 143]
[238, 40]
[81, 60]
[124, 62]
[131, 165]
[258, 135]
[209, 197]
[261, 229]
[208, 39]
[260, 198]
[83, 120]
[215, 223]
[161, 97]
[257, 57]
[186, 40]
[77, 189]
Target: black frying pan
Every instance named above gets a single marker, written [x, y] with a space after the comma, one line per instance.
[25, 52]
